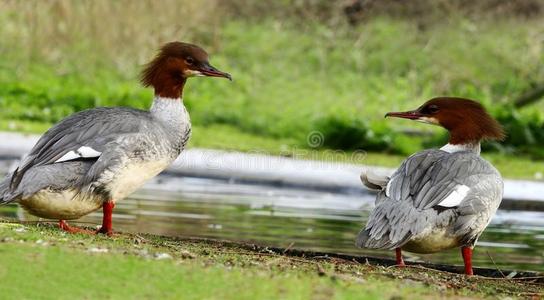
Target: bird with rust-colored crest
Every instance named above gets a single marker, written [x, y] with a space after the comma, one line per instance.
[96, 157]
[438, 198]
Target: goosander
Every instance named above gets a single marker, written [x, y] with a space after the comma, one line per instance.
[438, 198]
[96, 157]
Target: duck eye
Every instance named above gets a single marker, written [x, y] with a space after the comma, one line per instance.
[432, 109]
[189, 60]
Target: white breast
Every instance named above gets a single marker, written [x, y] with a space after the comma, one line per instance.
[132, 176]
[61, 205]
[431, 241]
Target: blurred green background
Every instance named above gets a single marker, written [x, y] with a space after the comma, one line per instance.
[299, 66]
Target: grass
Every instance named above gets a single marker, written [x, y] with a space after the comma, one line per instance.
[292, 75]
[284, 90]
[144, 266]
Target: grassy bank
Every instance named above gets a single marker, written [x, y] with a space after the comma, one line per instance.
[143, 266]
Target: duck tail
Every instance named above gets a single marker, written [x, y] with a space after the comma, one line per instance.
[362, 238]
[365, 240]
[5, 195]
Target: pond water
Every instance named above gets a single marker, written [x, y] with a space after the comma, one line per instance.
[298, 218]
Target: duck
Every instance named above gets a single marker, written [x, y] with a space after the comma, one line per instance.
[96, 157]
[438, 199]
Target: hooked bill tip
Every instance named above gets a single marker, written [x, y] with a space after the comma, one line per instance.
[411, 115]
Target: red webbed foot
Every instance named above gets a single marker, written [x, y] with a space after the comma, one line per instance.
[71, 229]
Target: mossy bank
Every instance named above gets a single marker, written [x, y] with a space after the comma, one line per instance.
[39, 261]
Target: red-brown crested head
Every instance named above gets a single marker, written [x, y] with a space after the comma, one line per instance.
[176, 62]
[466, 120]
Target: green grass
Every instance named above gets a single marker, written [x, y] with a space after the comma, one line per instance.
[42, 262]
[79, 275]
[283, 89]
[293, 76]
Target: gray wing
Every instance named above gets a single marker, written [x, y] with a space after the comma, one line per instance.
[432, 188]
[58, 176]
[4, 188]
[96, 129]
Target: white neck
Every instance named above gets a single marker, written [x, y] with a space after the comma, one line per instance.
[451, 148]
[162, 107]
[170, 111]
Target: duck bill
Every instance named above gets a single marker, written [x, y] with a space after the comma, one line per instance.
[211, 71]
[411, 115]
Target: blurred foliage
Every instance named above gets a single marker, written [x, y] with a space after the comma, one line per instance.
[299, 66]
[525, 132]
[355, 134]
[348, 134]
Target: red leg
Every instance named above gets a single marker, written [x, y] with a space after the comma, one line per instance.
[107, 209]
[64, 226]
[467, 258]
[400, 261]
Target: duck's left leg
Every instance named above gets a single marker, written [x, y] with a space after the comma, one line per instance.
[467, 259]
[70, 229]
[107, 210]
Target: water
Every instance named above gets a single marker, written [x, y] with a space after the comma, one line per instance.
[298, 218]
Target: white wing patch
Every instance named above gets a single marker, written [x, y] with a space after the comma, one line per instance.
[388, 188]
[83, 151]
[455, 197]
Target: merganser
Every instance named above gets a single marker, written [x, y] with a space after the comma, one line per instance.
[438, 198]
[96, 157]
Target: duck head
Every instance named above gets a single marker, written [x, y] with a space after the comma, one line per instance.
[175, 62]
[466, 120]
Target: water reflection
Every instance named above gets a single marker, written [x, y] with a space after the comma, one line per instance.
[310, 220]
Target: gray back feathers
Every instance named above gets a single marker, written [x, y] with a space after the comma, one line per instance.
[414, 200]
[113, 134]
[94, 128]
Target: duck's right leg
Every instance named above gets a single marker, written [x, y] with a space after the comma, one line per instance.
[467, 259]
[399, 260]
[107, 211]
